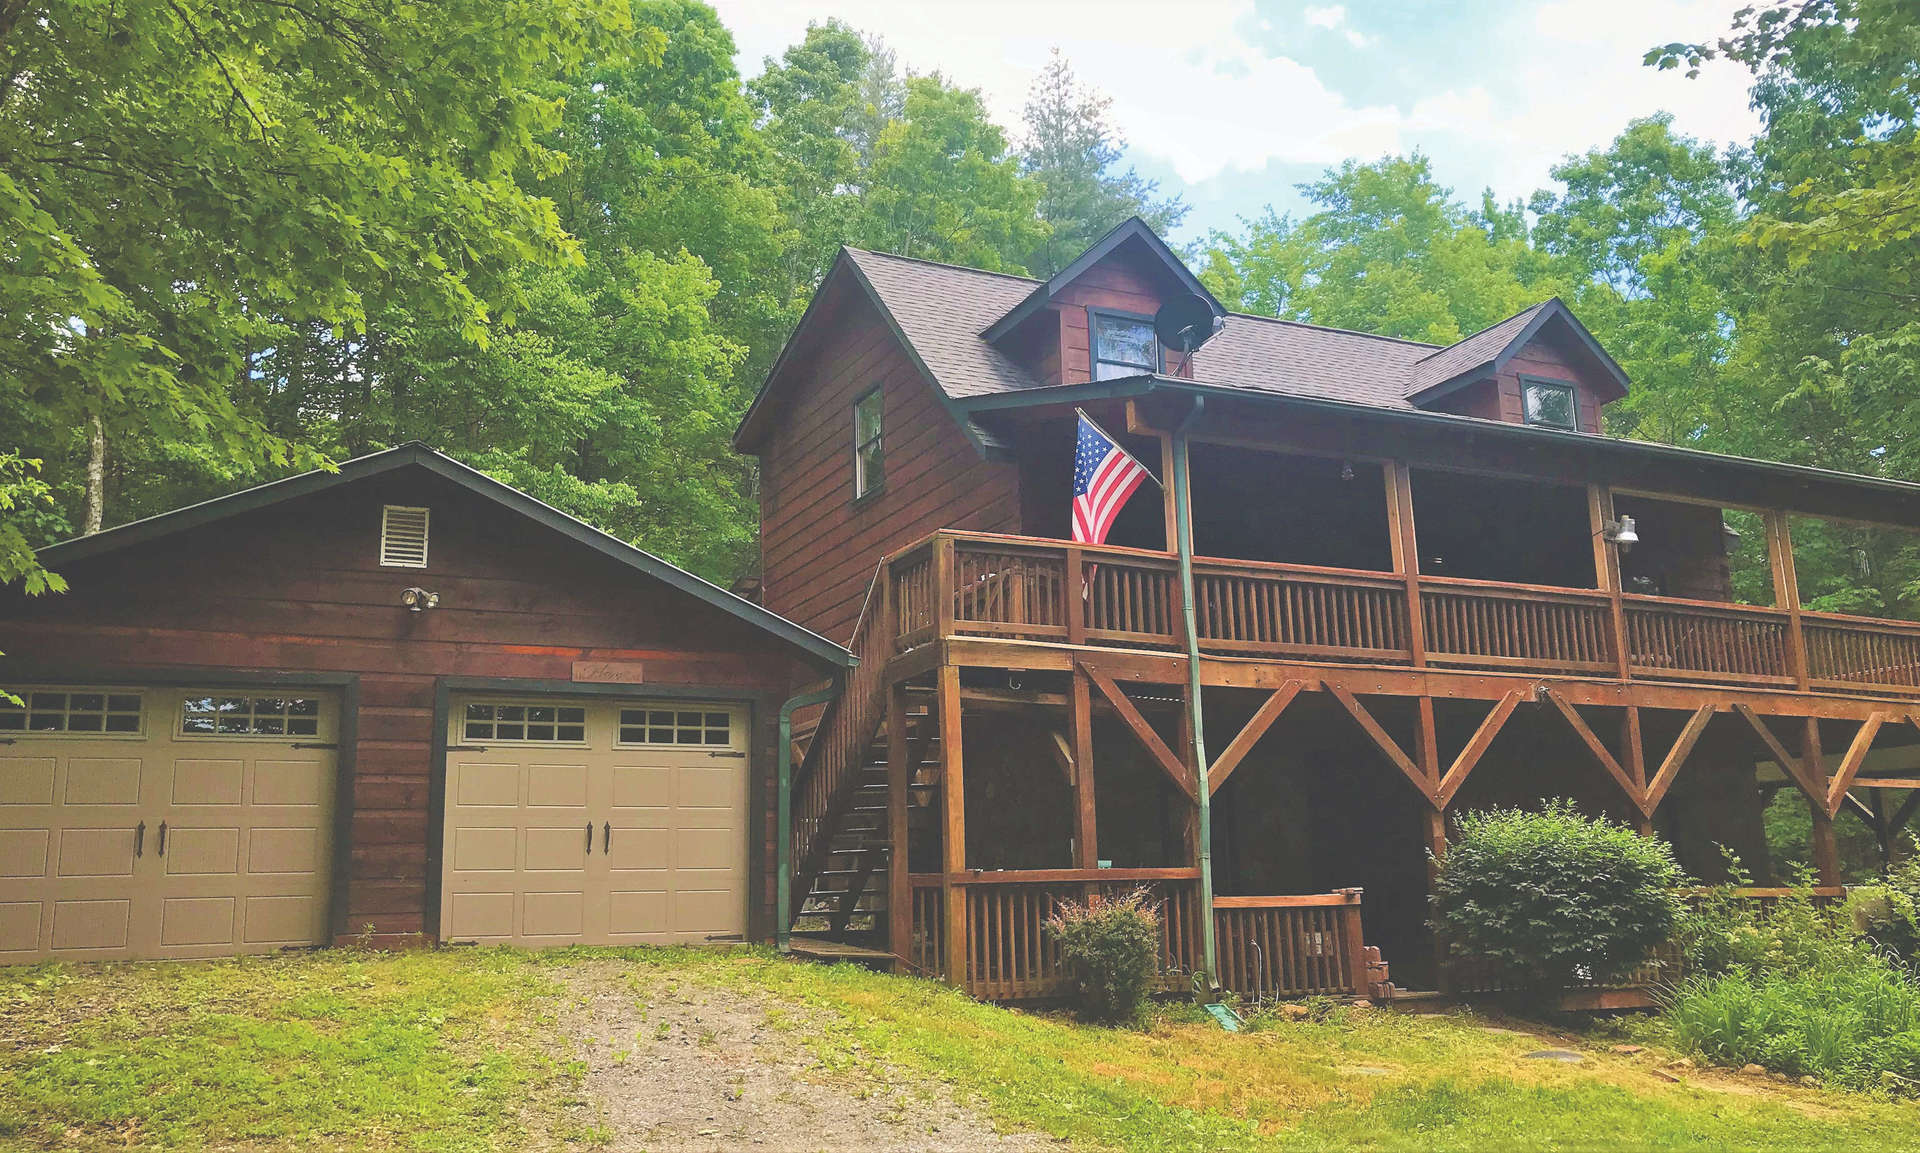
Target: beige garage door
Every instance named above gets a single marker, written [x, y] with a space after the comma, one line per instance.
[164, 823]
[594, 822]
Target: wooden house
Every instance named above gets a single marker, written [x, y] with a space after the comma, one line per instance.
[1409, 591]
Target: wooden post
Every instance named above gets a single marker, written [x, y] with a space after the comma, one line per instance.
[899, 781]
[1606, 572]
[943, 588]
[1786, 593]
[1075, 579]
[1406, 553]
[1171, 514]
[1086, 829]
[1355, 941]
[1433, 822]
[1826, 851]
[953, 812]
[1636, 757]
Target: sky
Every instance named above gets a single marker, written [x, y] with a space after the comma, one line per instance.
[1231, 103]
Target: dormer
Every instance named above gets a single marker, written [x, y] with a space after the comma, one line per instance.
[1541, 367]
[1094, 319]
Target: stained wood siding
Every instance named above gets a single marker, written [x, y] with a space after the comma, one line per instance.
[1120, 283]
[1500, 398]
[818, 547]
[297, 588]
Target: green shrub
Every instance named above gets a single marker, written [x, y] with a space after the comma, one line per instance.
[1888, 913]
[1855, 1025]
[1111, 946]
[1553, 897]
[1721, 932]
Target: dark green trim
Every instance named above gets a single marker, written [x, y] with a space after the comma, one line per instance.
[1132, 228]
[758, 704]
[415, 454]
[347, 730]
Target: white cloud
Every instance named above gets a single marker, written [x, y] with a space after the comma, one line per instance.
[1191, 87]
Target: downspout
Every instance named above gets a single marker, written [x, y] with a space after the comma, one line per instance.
[783, 821]
[1184, 527]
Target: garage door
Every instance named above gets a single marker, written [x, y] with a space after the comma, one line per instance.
[148, 823]
[594, 822]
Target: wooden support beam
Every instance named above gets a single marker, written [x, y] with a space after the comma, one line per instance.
[1085, 824]
[1899, 818]
[1677, 756]
[1633, 747]
[953, 814]
[1062, 753]
[1143, 732]
[1599, 752]
[1496, 719]
[1789, 763]
[1826, 847]
[1849, 766]
[1384, 741]
[1249, 736]
[1886, 783]
[985, 698]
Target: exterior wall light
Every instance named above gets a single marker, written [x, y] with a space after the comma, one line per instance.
[418, 599]
[1620, 532]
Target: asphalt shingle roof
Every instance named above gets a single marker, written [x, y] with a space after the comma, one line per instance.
[942, 309]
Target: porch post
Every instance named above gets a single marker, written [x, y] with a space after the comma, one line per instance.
[1826, 851]
[1086, 828]
[1636, 754]
[953, 812]
[1786, 593]
[1196, 726]
[1606, 571]
[1405, 543]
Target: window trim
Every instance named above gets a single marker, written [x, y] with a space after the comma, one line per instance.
[32, 734]
[1093, 341]
[1566, 386]
[861, 489]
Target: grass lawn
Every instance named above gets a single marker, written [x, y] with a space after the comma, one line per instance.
[460, 1050]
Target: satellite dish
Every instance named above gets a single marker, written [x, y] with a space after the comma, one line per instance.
[1186, 322]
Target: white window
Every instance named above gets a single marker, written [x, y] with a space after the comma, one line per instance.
[71, 711]
[1549, 403]
[1122, 345]
[525, 721]
[247, 716]
[403, 537]
[869, 470]
[680, 725]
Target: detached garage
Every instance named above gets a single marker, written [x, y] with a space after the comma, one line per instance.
[401, 699]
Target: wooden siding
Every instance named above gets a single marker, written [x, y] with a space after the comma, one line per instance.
[818, 546]
[1500, 398]
[297, 588]
[1123, 282]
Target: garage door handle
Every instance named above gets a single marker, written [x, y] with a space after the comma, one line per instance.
[163, 839]
[589, 836]
[139, 838]
[606, 836]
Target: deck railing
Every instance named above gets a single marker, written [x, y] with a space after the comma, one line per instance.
[1291, 946]
[979, 584]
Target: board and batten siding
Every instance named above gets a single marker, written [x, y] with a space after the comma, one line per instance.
[296, 588]
[818, 546]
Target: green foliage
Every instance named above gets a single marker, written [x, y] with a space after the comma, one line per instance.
[1856, 1025]
[1111, 945]
[1554, 896]
[1887, 914]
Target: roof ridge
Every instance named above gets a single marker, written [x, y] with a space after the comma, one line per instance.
[1344, 331]
[943, 264]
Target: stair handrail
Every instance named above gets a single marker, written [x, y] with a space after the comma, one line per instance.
[828, 774]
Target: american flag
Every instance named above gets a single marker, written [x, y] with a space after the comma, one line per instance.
[1104, 476]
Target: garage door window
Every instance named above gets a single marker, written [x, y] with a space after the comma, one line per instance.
[235, 716]
[675, 727]
[72, 712]
[546, 724]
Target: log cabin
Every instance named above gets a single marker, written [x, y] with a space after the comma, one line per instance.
[1377, 582]
[396, 702]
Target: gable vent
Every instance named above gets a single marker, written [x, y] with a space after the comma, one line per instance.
[403, 537]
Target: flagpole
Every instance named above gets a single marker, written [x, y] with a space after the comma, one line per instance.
[1183, 524]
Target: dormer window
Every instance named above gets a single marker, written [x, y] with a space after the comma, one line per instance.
[1123, 344]
[1549, 403]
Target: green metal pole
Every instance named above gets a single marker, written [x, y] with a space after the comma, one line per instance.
[783, 823]
[1183, 525]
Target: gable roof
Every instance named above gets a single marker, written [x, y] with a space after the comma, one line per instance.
[417, 455]
[1488, 351]
[1133, 229]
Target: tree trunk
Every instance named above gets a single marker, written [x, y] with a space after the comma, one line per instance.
[96, 476]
